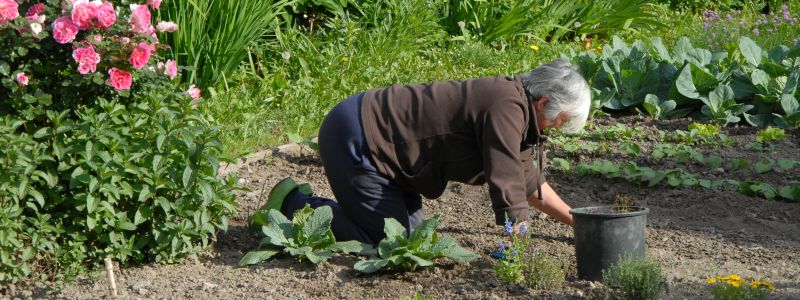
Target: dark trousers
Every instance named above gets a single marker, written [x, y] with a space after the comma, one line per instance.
[365, 196]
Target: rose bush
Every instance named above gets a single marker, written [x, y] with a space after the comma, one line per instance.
[104, 155]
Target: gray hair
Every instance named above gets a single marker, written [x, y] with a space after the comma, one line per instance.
[567, 90]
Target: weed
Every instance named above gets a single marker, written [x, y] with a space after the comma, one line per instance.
[637, 278]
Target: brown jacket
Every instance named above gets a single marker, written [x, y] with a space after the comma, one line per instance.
[473, 131]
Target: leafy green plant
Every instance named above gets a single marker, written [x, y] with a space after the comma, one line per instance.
[770, 134]
[406, 253]
[755, 188]
[298, 139]
[632, 149]
[134, 182]
[636, 277]
[791, 192]
[721, 107]
[215, 35]
[307, 236]
[656, 108]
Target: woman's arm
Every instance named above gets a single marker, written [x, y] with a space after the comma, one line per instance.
[551, 204]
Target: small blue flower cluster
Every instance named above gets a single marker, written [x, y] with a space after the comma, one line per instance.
[728, 28]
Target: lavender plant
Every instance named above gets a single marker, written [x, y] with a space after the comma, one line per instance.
[520, 263]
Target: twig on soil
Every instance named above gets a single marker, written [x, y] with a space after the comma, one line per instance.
[112, 284]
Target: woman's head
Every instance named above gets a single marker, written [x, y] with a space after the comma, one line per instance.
[564, 90]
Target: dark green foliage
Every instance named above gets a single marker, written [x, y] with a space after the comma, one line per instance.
[135, 182]
[637, 278]
[406, 253]
[307, 236]
[758, 86]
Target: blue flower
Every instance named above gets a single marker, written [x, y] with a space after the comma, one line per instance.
[502, 247]
[523, 228]
[509, 228]
[498, 255]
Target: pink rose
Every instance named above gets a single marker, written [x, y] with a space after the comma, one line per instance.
[82, 14]
[34, 11]
[22, 78]
[125, 40]
[9, 10]
[193, 92]
[154, 3]
[106, 16]
[119, 79]
[64, 30]
[167, 27]
[97, 38]
[140, 18]
[171, 69]
[141, 55]
[87, 59]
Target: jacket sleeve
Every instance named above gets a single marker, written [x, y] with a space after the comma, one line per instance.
[501, 137]
[528, 163]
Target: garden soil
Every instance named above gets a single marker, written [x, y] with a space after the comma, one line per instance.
[694, 233]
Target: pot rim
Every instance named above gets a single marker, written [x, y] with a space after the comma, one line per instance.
[588, 211]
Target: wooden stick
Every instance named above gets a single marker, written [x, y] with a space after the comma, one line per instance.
[112, 284]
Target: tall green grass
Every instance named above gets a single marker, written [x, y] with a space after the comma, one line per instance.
[214, 35]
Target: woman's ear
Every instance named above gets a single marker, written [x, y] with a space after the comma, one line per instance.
[541, 102]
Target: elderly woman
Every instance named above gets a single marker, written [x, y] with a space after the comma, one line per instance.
[385, 148]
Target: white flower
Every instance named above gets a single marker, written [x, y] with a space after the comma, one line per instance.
[36, 28]
[167, 26]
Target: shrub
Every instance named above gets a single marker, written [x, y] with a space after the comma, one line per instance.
[637, 278]
[136, 182]
[734, 287]
[127, 171]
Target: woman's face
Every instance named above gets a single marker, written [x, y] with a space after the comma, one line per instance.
[543, 122]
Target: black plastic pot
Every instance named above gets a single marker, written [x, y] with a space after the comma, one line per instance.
[603, 234]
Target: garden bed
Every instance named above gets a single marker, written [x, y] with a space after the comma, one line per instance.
[695, 233]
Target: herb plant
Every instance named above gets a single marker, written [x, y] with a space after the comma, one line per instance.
[637, 278]
[307, 236]
[520, 263]
[406, 253]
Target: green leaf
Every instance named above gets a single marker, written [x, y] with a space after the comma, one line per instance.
[90, 203]
[751, 51]
[418, 260]
[791, 192]
[424, 230]
[764, 165]
[317, 257]
[143, 214]
[279, 229]
[713, 161]
[255, 257]
[562, 164]
[295, 138]
[350, 247]
[370, 265]
[91, 222]
[38, 196]
[144, 193]
[786, 164]
[393, 229]
[318, 223]
[187, 175]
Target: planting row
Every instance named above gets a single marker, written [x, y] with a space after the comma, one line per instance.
[750, 83]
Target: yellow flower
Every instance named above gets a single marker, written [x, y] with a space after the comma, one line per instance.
[711, 280]
[766, 284]
[534, 47]
[735, 283]
[345, 58]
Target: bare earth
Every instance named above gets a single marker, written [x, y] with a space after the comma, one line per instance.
[693, 233]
